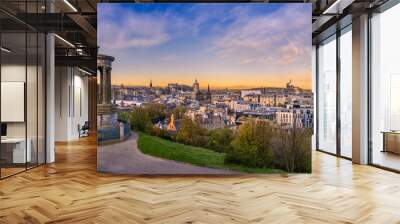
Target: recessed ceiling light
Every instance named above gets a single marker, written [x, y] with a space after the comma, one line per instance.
[337, 7]
[86, 72]
[64, 40]
[70, 5]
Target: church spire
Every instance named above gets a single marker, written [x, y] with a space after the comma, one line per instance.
[208, 94]
[171, 125]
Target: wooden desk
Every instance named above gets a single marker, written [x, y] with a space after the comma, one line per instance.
[16, 147]
[391, 141]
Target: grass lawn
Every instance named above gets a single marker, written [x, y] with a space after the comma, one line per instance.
[162, 148]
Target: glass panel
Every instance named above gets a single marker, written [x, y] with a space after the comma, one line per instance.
[23, 81]
[346, 94]
[13, 80]
[385, 86]
[31, 99]
[32, 89]
[327, 96]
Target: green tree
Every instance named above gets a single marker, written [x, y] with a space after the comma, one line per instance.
[293, 149]
[220, 140]
[155, 112]
[190, 133]
[140, 120]
[143, 118]
[123, 117]
[252, 144]
[179, 112]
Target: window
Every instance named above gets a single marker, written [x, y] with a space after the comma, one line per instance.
[346, 93]
[327, 95]
[385, 89]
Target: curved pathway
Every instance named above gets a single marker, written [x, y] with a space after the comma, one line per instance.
[126, 158]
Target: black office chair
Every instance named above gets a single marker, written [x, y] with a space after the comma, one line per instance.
[84, 130]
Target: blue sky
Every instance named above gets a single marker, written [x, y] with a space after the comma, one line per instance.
[224, 45]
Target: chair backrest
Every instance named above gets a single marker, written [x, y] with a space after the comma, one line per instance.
[86, 125]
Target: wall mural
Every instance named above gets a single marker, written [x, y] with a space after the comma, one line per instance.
[204, 88]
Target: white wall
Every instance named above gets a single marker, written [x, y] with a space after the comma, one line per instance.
[80, 104]
[71, 103]
[61, 103]
[33, 127]
[16, 73]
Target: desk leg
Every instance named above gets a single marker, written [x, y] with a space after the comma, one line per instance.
[384, 142]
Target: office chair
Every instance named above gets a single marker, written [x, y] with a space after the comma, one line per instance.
[84, 130]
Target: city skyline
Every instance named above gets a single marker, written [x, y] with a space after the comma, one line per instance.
[203, 86]
[232, 46]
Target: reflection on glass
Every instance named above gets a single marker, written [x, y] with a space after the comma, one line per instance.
[394, 102]
[327, 96]
[385, 84]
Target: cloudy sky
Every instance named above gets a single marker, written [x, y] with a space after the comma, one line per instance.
[224, 45]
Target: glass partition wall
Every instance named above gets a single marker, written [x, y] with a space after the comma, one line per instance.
[22, 95]
[385, 89]
[334, 94]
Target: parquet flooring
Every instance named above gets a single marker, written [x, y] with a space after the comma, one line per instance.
[8, 171]
[71, 191]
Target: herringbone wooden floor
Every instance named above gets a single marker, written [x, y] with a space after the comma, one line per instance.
[71, 191]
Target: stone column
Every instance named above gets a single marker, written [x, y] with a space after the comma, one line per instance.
[104, 85]
[108, 85]
[104, 63]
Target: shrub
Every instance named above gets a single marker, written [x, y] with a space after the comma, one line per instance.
[156, 131]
